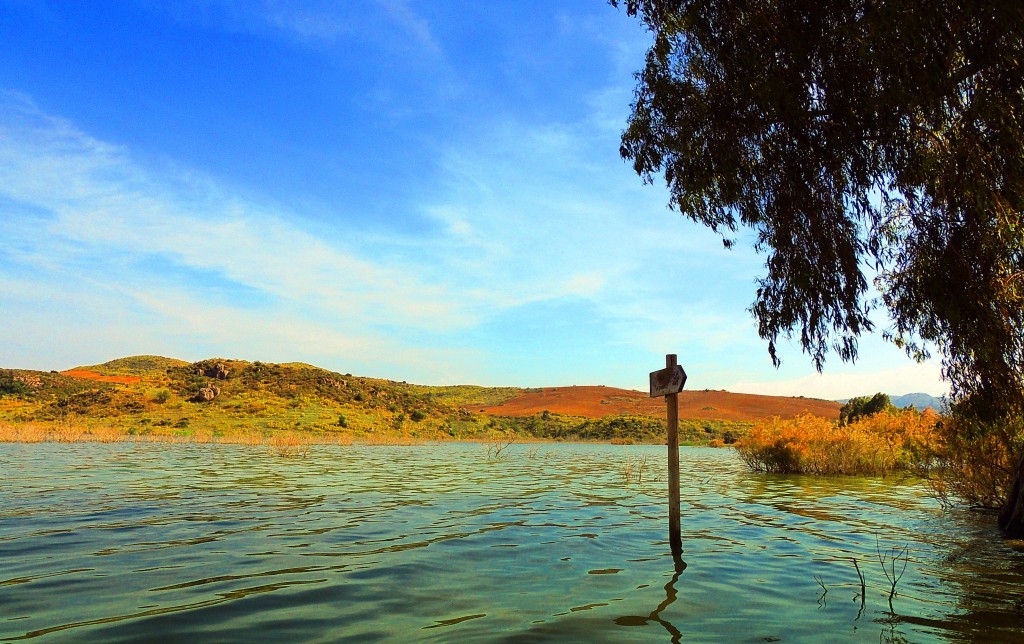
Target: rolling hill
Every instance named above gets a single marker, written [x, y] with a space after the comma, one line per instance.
[600, 401]
[219, 397]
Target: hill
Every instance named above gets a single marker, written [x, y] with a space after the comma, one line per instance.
[219, 397]
[600, 401]
[135, 366]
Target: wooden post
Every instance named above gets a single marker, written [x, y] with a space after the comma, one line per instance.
[668, 382]
[675, 538]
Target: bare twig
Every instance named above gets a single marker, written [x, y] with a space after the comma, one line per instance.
[824, 589]
[633, 470]
[862, 591]
[497, 447]
[889, 561]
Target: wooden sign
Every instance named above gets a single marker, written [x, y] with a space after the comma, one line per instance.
[667, 381]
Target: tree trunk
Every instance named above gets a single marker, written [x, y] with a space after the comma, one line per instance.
[1011, 517]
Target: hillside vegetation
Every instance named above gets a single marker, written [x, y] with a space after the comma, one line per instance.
[224, 398]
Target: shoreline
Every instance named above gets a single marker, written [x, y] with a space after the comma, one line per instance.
[36, 432]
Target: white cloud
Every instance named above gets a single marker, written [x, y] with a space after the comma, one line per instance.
[317, 24]
[100, 201]
[848, 382]
[413, 25]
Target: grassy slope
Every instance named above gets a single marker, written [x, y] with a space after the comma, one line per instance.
[253, 397]
[265, 398]
[136, 366]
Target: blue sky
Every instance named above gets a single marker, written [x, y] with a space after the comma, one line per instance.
[422, 191]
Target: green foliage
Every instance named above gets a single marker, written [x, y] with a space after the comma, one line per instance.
[140, 366]
[622, 428]
[46, 386]
[864, 406]
[848, 135]
[10, 385]
[474, 396]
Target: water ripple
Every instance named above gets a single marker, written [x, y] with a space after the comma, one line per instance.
[227, 543]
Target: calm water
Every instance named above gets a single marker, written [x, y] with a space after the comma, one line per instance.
[231, 543]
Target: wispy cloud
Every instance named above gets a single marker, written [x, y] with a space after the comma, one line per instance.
[529, 220]
[414, 26]
[179, 257]
[311, 22]
[516, 231]
[98, 199]
[318, 23]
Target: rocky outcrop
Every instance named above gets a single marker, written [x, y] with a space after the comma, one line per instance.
[29, 380]
[212, 370]
[333, 383]
[206, 394]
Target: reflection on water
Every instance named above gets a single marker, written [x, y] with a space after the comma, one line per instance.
[227, 543]
[670, 597]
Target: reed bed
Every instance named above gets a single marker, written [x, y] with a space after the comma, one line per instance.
[280, 442]
[882, 444]
[384, 438]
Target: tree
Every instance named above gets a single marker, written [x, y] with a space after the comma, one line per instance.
[864, 406]
[11, 385]
[857, 139]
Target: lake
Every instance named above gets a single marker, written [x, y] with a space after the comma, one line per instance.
[551, 542]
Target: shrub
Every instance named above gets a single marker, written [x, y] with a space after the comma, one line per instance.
[879, 444]
[417, 416]
[973, 463]
[9, 385]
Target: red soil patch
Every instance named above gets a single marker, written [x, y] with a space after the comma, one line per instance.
[85, 374]
[597, 402]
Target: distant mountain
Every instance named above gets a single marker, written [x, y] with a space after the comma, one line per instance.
[919, 400]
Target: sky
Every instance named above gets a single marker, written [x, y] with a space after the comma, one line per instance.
[423, 191]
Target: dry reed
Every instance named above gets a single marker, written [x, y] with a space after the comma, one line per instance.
[878, 445]
[71, 431]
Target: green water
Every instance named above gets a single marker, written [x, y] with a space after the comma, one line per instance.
[550, 543]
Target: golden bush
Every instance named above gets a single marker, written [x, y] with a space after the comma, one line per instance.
[877, 445]
[974, 464]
